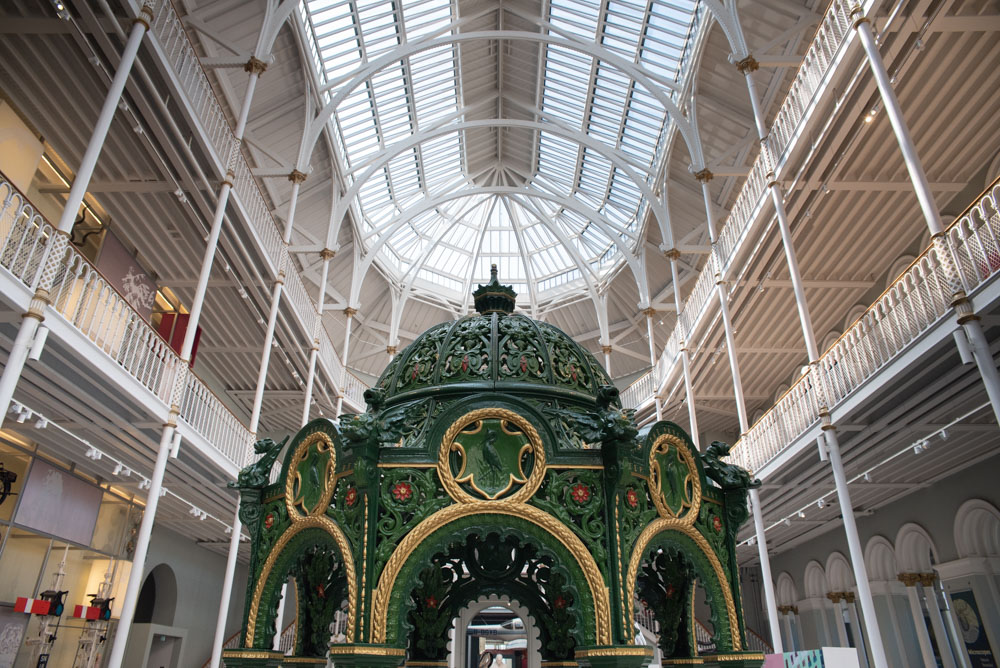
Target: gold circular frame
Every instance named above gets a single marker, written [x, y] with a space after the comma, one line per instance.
[663, 445]
[293, 477]
[453, 486]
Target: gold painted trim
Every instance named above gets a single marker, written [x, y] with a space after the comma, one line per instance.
[366, 650]
[451, 482]
[298, 525]
[555, 664]
[386, 583]
[589, 467]
[391, 465]
[426, 663]
[251, 654]
[696, 661]
[750, 656]
[693, 504]
[627, 650]
[292, 476]
[314, 660]
[665, 524]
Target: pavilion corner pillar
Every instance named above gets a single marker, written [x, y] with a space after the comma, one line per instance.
[854, 543]
[255, 67]
[770, 600]
[81, 182]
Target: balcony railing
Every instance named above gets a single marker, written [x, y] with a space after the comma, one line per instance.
[87, 302]
[919, 298]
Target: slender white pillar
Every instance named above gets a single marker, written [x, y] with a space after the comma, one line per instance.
[650, 312]
[138, 565]
[923, 637]
[734, 366]
[81, 182]
[606, 349]
[805, 321]
[937, 623]
[350, 313]
[854, 545]
[787, 623]
[674, 255]
[983, 356]
[326, 254]
[895, 114]
[279, 623]
[765, 567]
[838, 610]
[142, 541]
[951, 621]
[859, 638]
[296, 177]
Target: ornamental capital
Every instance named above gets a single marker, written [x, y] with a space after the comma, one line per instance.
[390, 350]
[649, 312]
[747, 65]
[835, 596]
[255, 66]
[350, 312]
[704, 175]
[909, 579]
[327, 254]
[849, 596]
[927, 579]
[606, 350]
[857, 16]
[788, 609]
[146, 14]
[672, 254]
[296, 176]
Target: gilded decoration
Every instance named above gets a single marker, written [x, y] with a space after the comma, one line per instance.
[494, 459]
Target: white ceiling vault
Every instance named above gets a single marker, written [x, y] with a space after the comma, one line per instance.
[532, 135]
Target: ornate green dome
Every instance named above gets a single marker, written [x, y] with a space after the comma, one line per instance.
[494, 349]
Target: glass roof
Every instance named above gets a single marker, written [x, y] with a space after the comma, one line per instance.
[438, 227]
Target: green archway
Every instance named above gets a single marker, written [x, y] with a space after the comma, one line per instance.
[567, 601]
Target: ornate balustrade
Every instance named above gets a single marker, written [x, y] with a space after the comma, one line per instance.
[95, 309]
[962, 260]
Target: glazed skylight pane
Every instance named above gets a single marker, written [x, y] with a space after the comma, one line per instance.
[575, 210]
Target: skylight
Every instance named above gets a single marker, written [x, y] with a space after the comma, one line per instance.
[557, 228]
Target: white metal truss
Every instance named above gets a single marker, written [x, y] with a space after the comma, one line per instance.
[392, 81]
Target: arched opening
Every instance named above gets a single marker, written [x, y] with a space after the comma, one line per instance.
[313, 561]
[494, 632]
[482, 570]
[675, 579]
[157, 601]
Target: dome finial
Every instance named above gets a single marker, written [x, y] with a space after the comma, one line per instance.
[493, 297]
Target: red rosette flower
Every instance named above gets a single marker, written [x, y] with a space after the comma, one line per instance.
[631, 498]
[269, 520]
[716, 523]
[351, 497]
[402, 491]
[580, 493]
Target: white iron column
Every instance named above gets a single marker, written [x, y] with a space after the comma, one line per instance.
[786, 619]
[606, 349]
[839, 608]
[770, 600]
[674, 255]
[895, 114]
[326, 254]
[859, 639]
[254, 67]
[142, 539]
[910, 580]
[854, 544]
[81, 182]
[296, 177]
[981, 352]
[704, 176]
[350, 312]
[984, 360]
[649, 312]
[926, 583]
[747, 66]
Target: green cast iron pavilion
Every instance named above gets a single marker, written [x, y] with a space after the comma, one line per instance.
[494, 459]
